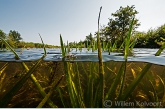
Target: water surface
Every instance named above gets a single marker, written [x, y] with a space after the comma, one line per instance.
[137, 55]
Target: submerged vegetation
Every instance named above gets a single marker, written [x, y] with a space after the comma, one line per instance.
[84, 84]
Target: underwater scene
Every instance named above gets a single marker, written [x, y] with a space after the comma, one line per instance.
[49, 86]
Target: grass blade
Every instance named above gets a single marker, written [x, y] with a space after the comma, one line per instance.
[90, 86]
[68, 76]
[160, 50]
[18, 85]
[101, 68]
[31, 76]
[155, 94]
[16, 55]
[136, 81]
[54, 85]
[127, 41]
[3, 68]
[43, 45]
[41, 90]
[111, 93]
[62, 99]
[163, 98]
[62, 46]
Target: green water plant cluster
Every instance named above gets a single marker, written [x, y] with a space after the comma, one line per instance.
[28, 74]
[92, 84]
[95, 91]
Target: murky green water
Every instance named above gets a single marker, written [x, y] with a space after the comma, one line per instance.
[49, 71]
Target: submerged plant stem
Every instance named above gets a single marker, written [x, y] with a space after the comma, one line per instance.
[101, 68]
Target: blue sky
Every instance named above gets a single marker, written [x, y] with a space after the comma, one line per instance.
[73, 19]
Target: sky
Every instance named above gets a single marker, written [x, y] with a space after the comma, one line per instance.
[73, 19]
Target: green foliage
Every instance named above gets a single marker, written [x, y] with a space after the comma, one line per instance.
[14, 40]
[153, 38]
[18, 85]
[16, 36]
[2, 34]
[118, 27]
[86, 87]
[89, 38]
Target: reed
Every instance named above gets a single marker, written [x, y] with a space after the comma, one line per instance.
[101, 68]
[96, 98]
[87, 85]
[6, 99]
[160, 50]
[54, 85]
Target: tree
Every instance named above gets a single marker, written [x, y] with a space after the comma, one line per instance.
[112, 31]
[2, 34]
[141, 39]
[89, 39]
[119, 26]
[160, 35]
[16, 36]
[11, 40]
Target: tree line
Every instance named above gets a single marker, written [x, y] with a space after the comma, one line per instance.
[15, 40]
[114, 33]
[118, 26]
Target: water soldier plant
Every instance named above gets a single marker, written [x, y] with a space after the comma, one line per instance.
[119, 80]
[12, 92]
[90, 84]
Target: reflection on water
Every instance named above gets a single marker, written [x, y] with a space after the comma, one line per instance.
[142, 55]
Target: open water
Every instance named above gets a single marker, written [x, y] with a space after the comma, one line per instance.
[137, 55]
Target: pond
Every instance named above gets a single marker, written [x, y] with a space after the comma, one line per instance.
[137, 55]
[83, 72]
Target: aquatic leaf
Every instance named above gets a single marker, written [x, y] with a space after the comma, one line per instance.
[31, 76]
[121, 46]
[90, 86]
[43, 45]
[61, 96]
[134, 73]
[62, 46]
[155, 94]
[18, 85]
[1, 82]
[79, 88]
[3, 68]
[160, 50]
[109, 47]
[72, 95]
[135, 82]
[41, 90]
[114, 46]
[54, 85]
[111, 92]
[101, 68]
[132, 45]
[122, 81]
[16, 55]
[127, 40]
[163, 98]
